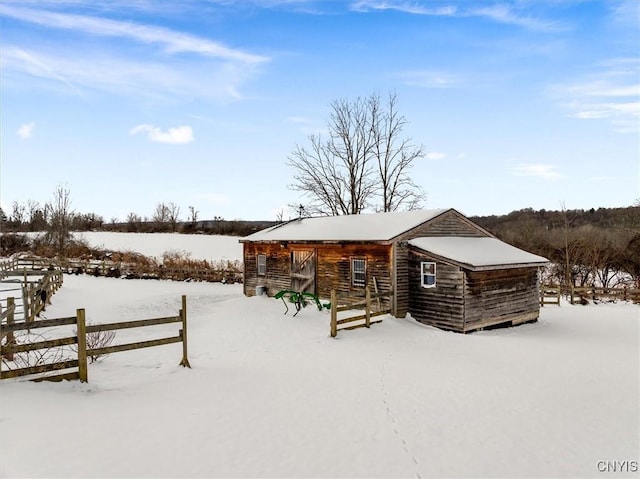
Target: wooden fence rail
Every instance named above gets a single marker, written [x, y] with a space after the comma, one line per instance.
[132, 270]
[337, 324]
[10, 348]
[550, 294]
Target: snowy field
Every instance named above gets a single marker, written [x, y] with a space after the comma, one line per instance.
[270, 395]
[205, 247]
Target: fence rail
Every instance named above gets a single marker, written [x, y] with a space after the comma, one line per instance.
[36, 294]
[131, 270]
[550, 294]
[10, 348]
[337, 324]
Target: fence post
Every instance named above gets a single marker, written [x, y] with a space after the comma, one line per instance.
[183, 315]
[11, 339]
[334, 313]
[82, 345]
[367, 314]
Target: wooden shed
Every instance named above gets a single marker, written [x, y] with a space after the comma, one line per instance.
[441, 267]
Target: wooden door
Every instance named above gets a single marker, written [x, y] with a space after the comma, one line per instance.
[303, 270]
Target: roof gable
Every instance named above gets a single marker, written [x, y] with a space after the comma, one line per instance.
[478, 253]
[362, 227]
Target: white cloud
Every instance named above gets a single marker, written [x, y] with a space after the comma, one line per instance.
[406, 7]
[540, 170]
[430, 79]
[501, 13]
[435, 155]
[175, 136]
[26, 131]
[612, 94]
[77, 73]
[173, 41]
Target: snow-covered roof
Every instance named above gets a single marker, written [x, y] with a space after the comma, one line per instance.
[478, 253]
[362, 227]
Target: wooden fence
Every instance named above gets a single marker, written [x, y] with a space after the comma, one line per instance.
[550, 294]
[10, 348]
[130, 270]
[35, 293]
[370, 312]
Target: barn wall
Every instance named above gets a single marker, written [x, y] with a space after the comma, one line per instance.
[442, 306]
[449, 223]
[333, 267]
[278, 268]
[401, 287]
[506, 296]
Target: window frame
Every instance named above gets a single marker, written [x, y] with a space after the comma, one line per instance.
[358, 275]
[261, 265]
[424, 275]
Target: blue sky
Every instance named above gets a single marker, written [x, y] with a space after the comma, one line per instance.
[519, 104]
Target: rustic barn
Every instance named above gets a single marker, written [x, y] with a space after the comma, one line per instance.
[441, 267]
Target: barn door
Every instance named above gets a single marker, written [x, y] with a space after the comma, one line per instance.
[303, 270]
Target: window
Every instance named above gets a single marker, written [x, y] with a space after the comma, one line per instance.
[428, 276]
[359, 272]
[262, 265]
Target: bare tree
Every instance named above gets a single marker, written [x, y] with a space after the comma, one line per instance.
[394, 156]
[173, 215]
[161, 213]
[362, 164]
[60, 218]
[18, 213]
[193, 214]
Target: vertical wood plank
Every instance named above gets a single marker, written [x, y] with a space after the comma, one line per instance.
[367, 314]
[334, 313]
[82, 345]
[11, 339]
[183, 315]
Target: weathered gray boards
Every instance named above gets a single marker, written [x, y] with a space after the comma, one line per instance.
[440, 267]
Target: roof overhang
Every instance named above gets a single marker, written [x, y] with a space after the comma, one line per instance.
[477, 254]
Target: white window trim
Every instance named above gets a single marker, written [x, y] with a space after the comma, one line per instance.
[262, 265]
[423, 275]
[354, 271]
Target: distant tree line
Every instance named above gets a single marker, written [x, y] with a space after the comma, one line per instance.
[57, 216]
[596, 247]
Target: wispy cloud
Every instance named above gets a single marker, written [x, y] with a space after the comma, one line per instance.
[540, 170]
[406, 7]
[176, 136]
[435, 155]
[78, 73]
[26, 131]
[173, 41]
[430, 79]
[504, 13]
[611, 94]
[501, 13]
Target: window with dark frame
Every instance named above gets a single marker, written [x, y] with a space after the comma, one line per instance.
[428, 274]
[262, 265]
[359, 272]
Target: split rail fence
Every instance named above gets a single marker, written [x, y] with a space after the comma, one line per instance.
[370, 311]
[35, 293]
[229, 273]
[550, 294]
[9, 348]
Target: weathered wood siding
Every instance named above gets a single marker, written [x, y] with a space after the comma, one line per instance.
[333, 267]
[278, 268]
[449, 223]
[505, 296]
[443, 305]
[401, 286]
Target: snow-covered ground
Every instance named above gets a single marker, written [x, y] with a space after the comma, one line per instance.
[270, 395]
[205, 247]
